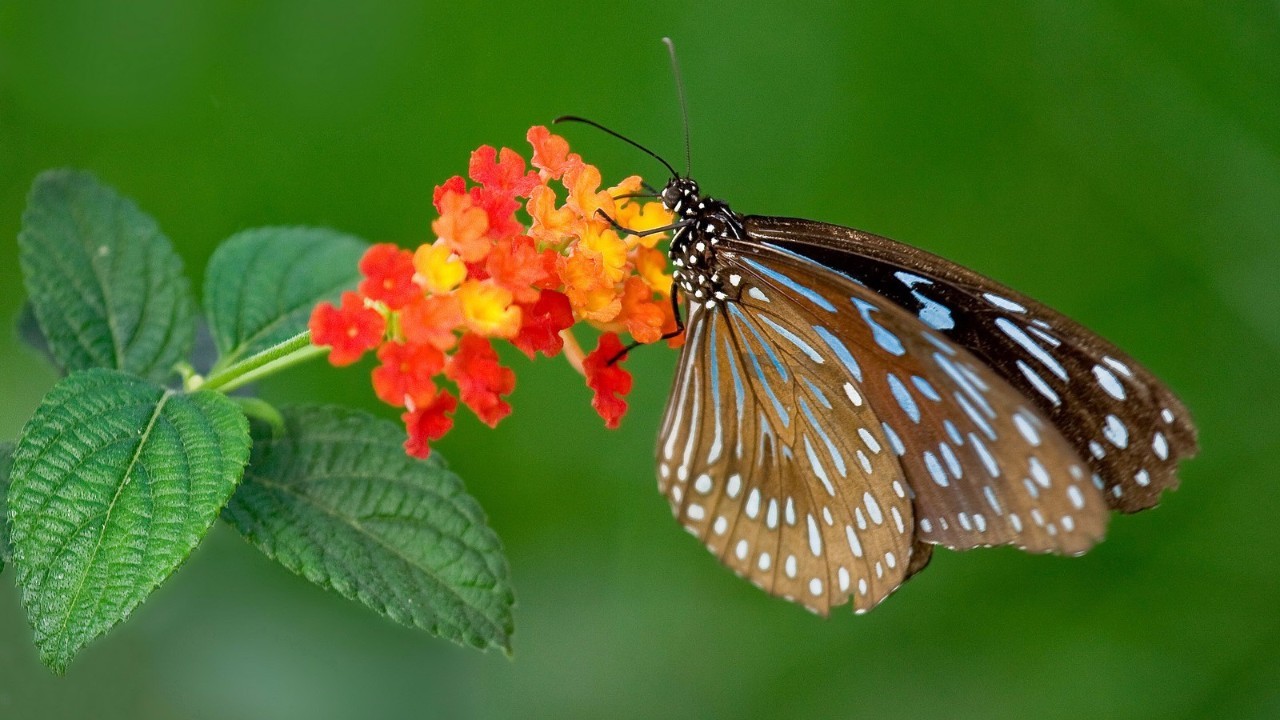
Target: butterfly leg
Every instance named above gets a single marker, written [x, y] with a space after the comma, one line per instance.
[675, 308]
[642, 233]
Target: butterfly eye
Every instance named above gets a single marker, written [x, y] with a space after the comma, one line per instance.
[671, 195]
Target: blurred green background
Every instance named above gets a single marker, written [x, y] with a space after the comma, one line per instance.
[1119, 162]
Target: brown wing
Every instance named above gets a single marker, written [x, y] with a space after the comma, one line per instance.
[750, 468]
[1128, 426]
[816, 434]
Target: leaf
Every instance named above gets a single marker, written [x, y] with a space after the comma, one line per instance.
[261, 284]
[114, 482]
[6, 461]
[337, 501]
[105, 284]
[31, 335]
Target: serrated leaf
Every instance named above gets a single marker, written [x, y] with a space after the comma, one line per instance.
[336, 500]
[261, 284]
[105, 283]
[114, 482]
[6, 461]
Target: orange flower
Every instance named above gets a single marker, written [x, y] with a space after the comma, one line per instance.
[608, 248]
[551, 225]
[643, 317]
[432, 320]
[455, 184]
[505, 176]
[462, 226]
[651, 265]
[592, 295]
[551, 153]
[508, 263]
[515, 264]
[583, 182]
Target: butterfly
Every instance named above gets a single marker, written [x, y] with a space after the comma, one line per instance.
[843, 403]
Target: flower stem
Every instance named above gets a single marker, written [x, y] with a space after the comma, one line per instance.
[573, 351]
[293, 351]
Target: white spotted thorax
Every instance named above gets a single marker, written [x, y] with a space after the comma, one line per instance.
[844, 403]
[693, 247]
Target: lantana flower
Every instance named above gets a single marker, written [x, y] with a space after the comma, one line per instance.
[522, 254]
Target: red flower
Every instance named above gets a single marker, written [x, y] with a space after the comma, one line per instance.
[505, 176]
[541, 323]
[388, 272]
[481, 380]
[404, 377]
[428, 422]
[500, 208]
[609, 382]
[455, 185]
[349, 331]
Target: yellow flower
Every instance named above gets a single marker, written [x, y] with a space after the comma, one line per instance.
[440, 269]
[487, 309]
[602, 243]
[651, 265]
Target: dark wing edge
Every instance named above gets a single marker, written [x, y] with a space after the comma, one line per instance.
[1124, 421]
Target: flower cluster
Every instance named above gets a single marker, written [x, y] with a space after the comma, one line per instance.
[510, 262]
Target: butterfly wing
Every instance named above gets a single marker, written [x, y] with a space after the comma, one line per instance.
[805, 389]
[1126, 424]
[751, 469]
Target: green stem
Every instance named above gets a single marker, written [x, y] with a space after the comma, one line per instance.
[296, 349]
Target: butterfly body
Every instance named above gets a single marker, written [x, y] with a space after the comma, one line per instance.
[844, 403]
[694, 247]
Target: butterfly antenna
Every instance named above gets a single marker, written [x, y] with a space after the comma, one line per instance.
[684, 105]
[620, 136]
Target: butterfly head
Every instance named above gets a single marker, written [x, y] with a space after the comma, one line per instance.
[682, 196]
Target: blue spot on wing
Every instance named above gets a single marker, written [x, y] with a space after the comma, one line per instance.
[932, 313]
[840, 350]
[903, 396]
[817, 427]
[767, 346]
[792, 338]
[798, 288]
[754, 358]
[817, 392]
[883, 337]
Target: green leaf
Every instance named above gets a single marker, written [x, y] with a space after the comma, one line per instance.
[6, 461]
[337, 501]
[261, 284]
[105, 283]
[115, 480]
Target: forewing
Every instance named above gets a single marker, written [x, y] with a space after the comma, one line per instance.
[1127, 425]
